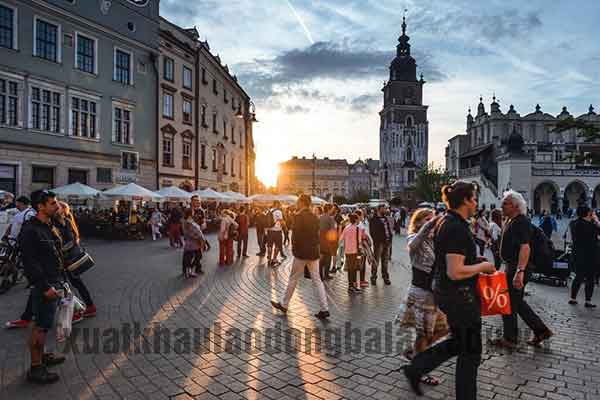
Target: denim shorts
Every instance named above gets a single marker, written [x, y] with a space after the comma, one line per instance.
[44, 310]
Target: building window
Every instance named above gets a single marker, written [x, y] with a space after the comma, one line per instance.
[123, 69]
[232, 134]
[409, 155]
[42, 177]
[215, 91]
[167, 151]
[83, 118]
[214, 160]
[47, 37]
[203, 114]
[187, 78]
[129, 161]
[203, 156]
[187, 155]
[122, 126]
[241, 169]
[225, 99]
[104, 175]
[187, 111]
[45, 110]
[8, 28]
[86, 54]
[224, 129]
[232, 168]
[168, 105]
[214, 123]
[241, 140]
[224, 164]
[204, 80]
[169, 69]
[9, 101]
[78, 176]
[411, 176]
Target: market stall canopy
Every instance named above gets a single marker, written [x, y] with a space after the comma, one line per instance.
[240, 198]
[131, 192]
[209, 194]
[317, 200]
[263, 198]
[3, 193]
[173, 193]
[78, 190]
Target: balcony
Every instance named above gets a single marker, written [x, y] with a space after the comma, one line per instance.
[470, 172]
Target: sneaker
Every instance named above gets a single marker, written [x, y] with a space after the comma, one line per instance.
[90, 311]
[322, 314]
[387, 282]
[589, 305]
[19, 323]
[77, 317]
[40, 374]
[51, 359]
[573, 302]
[364, 284]
[278, 306]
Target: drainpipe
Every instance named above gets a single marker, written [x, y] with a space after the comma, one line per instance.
[154, 60]
[197, 117]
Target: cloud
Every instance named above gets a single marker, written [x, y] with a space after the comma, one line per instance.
[342, 61]
[297, 109]
[365, 102]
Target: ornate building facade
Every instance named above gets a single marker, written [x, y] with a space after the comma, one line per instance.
[403, 135]
[508, 151]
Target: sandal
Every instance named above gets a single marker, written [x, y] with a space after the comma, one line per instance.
[430, 380]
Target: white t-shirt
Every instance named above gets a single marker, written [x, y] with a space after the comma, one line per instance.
[277, 217]
[495, 231]
[19, 220]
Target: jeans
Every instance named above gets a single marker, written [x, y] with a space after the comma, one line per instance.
[382, 255]
[519, 307]
[464, 320]
[242, 245]
[352, 266]
[297, 273]
[261, 239]
[587, 276]
[324, 265]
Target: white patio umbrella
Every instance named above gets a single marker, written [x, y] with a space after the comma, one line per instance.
[263, 198]
[317, 200]
[237, 196]
[78, 190]
[131, 192]
[209, 194]
[288, 198]
[173, 193]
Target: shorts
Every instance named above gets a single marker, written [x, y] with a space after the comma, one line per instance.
[274, 238]
[421, 312]
[44, 310]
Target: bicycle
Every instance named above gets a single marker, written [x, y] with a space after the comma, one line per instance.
[11, 272]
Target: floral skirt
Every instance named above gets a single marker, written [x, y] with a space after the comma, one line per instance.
[420, 312]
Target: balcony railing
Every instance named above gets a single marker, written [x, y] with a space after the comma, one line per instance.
[595, 172]
[469, 172]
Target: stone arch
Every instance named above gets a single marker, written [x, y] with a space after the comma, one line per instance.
[545, 197]
[576, 192]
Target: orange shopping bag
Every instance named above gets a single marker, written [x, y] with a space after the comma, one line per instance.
[493, 291]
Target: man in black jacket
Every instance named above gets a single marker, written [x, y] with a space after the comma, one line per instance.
[261, 226]
[382, 233]
[41, 248]
[305, 247]
[584, 232]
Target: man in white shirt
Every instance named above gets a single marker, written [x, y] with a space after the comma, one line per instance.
[275, 234]
[24, 214]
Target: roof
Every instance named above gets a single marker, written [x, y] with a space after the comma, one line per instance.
[476, 151]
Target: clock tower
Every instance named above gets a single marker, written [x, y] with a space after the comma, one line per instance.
[403, 133]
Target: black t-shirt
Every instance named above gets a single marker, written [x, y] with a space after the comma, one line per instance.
[453, 237]
[517, 233]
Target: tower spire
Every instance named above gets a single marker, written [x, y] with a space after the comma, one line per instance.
[404, 22]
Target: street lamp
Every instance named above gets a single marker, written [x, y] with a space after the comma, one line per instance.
[249, 118]
[251, 115]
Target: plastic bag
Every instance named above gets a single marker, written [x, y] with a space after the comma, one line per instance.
[64, 317]
[493, 291]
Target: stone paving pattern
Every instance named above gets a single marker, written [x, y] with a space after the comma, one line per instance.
[140, 282]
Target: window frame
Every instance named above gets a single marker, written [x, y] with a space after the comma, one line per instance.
[171, 140]
[76, 52]
[137, 154]
[124, 107]
[53, 90]
[59, 42]
[183, 83]
[88, 98]
[183, 112]
[215, 160]
[188, 143]
[203, 156]
[49, 167]
[166, 61]
[131, 62]
[105, 169]
[15, 26]
[164, 103]
[20, 97]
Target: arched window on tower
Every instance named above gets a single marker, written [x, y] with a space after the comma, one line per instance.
[409, 121]
[409, 155]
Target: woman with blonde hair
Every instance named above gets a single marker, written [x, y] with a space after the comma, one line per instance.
[419, 310]
[64, 221]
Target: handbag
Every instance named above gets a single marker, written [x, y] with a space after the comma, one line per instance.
[494, 295]
[76, 259]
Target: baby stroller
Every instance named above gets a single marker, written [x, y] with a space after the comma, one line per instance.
[558, 274]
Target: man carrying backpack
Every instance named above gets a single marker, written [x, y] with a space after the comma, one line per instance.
[515, 250]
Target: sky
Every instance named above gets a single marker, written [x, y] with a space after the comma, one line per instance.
[315, 69]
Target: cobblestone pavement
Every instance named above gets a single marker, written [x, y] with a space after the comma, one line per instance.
[139, 283]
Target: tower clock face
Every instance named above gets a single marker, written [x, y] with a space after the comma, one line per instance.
[140, 3]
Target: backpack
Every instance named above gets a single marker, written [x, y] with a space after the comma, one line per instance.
[542, 249]
[546, 224]
[270, 220]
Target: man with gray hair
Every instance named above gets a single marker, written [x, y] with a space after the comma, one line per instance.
[515, 249]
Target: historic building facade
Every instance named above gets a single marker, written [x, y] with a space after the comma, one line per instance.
[321, 177]
[78, 93]
[403, 135]
[178, 134]
[363, 178]
[525, 153]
